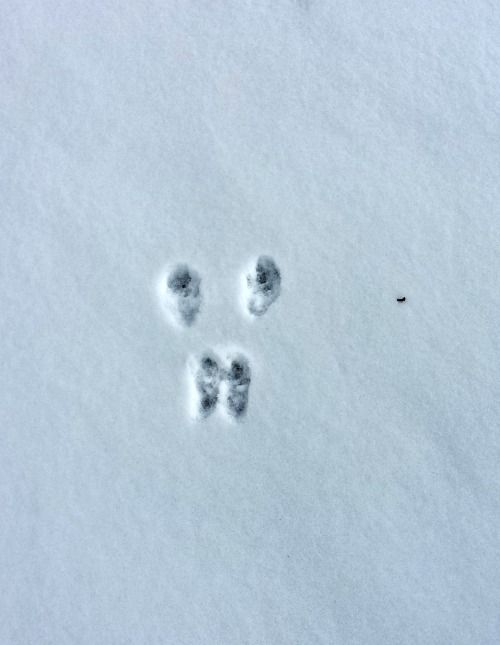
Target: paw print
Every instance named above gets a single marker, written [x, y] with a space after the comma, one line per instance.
[264, 285]
[182, 295]
[218, 382]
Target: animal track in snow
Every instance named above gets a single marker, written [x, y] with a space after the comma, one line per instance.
[263, 285]
[213, 385]
[237, 379]
[180, 293]
[214, 382]
[206, 376]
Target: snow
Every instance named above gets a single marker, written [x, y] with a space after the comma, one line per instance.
[356, 144]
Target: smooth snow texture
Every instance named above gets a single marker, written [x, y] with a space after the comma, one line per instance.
[355, 143]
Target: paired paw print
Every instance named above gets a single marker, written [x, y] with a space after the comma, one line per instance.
[220, 382]
[216, 381]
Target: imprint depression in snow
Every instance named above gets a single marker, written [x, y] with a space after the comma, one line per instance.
[180, 291]
[263, 283]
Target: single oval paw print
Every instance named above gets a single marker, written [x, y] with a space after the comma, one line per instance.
[180, 294]
[237, 379]
[215, 382]
[206, 376]
[263, 285]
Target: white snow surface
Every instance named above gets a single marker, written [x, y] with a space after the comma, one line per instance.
[357, 144]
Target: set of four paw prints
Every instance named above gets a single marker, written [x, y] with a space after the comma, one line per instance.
[218, 382]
